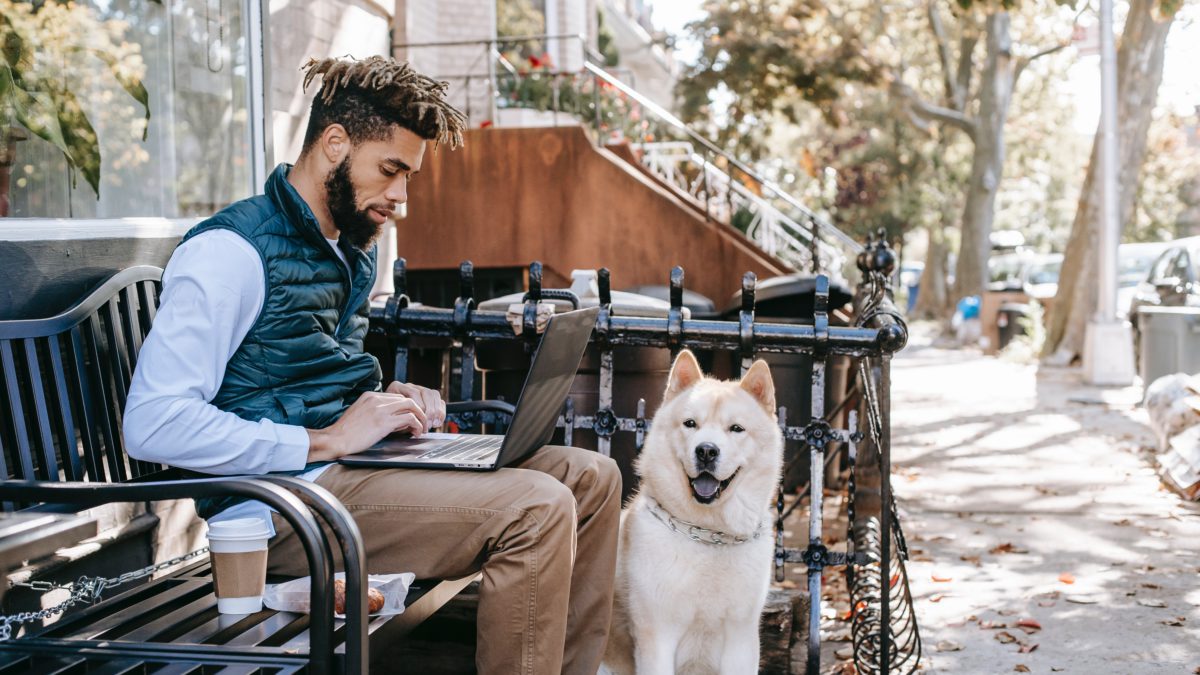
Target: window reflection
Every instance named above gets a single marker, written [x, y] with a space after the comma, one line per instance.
[191, 57]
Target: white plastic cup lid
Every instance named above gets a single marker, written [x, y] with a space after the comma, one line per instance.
[239, 529]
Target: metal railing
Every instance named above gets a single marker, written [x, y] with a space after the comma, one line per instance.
[728, 190]
[878, 332]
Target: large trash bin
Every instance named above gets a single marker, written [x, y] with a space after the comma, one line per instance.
[638, 372]
[790, 299]
[1170, 341]
[1010, 322]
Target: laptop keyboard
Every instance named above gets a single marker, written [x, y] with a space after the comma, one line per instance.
[470, 448]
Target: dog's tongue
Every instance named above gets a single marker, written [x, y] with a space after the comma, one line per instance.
[706, 485]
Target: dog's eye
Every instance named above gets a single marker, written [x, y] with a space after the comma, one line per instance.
[737, 429]
[689, 423]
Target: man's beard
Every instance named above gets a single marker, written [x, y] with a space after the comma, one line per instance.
[355, 225]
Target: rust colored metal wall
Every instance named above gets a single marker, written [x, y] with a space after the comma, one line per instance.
[516, 195]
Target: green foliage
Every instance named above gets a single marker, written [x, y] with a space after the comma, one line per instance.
[605, 41]
[764, 57]
[38, 40]
[520, 17]
[1168, 196]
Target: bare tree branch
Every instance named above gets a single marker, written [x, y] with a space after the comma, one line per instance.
[966, 67]
[921, 112]
[1024, 61]
[943, 49]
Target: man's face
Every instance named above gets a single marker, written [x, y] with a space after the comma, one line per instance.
[364, 188]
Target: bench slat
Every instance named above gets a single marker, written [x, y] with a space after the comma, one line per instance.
[70, 451]
[128, 613]
[120, 667]
[168, 627]
[131, 325]
[16, 412]
[106, 412]
[81, 392]
[41, 407]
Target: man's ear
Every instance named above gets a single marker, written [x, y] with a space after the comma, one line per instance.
[684, 373]
[335, 143]
[758, 383]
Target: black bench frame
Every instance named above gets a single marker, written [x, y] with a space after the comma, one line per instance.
[65, 383]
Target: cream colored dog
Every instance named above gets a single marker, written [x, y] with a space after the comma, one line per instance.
[696, 540]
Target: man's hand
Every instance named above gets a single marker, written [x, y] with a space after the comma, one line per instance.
[430, 401]
[373, 416]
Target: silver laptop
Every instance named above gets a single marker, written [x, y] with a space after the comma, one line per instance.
[546, 387]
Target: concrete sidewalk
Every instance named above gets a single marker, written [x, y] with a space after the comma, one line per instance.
[1028, 499]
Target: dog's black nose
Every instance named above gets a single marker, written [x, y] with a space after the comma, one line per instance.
[707, 452]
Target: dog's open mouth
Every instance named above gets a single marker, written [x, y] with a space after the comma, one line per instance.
[706, 488]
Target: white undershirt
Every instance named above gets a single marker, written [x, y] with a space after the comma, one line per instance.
[213, 291]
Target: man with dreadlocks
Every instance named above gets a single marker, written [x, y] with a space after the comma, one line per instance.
[255, 365]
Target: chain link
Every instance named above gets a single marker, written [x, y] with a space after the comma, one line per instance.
[85, 589]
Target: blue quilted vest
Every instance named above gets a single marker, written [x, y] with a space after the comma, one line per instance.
[302, 362]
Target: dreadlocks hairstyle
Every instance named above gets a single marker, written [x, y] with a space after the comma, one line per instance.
[370, 96]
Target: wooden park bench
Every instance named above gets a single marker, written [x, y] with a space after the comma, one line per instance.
[65, 381]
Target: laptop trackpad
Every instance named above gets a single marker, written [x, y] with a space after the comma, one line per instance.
[403, 444]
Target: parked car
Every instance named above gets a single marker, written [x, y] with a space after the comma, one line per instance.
[1133, 266]
[1173, 281]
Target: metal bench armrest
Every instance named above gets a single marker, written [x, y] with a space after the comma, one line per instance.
[270, 492]
[480, 406]
[338, 518]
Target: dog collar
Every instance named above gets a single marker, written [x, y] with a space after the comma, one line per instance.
[697, 533]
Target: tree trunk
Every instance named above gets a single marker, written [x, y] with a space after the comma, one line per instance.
[1139, 72]
[933, 297]
[987, 162]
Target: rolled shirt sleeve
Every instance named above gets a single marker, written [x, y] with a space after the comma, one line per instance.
[213, 291]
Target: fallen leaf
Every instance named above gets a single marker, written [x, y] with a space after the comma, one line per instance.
[973, 559]
[936, 597]
[895, 578]
[1027, 648]
[1029, 625]
[939, 578]
[1046, 603]
[1021, 668]
[1006, 612]
[1005, 637]
[1151, 602]
[1006, 547]
[1083, 599]
[992, 625]
[1067, 578]
[1123, 522]
[1153, 586]
[1177, 621]
[949, 646]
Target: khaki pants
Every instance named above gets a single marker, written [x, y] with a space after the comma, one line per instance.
[544, 534]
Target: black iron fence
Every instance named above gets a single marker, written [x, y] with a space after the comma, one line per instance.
[884, 628]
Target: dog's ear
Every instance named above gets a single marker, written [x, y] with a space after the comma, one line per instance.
[684, 374]
[758, 383]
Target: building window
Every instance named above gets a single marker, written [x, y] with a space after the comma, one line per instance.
[96, 62]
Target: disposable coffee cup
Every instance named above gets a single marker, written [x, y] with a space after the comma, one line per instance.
[238, 549]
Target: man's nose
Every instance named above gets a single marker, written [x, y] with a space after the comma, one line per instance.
[397, 192]
[706, 453]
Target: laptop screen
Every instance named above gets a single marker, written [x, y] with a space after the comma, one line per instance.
[548, 383]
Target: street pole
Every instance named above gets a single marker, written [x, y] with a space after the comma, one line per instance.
[1108, 352]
